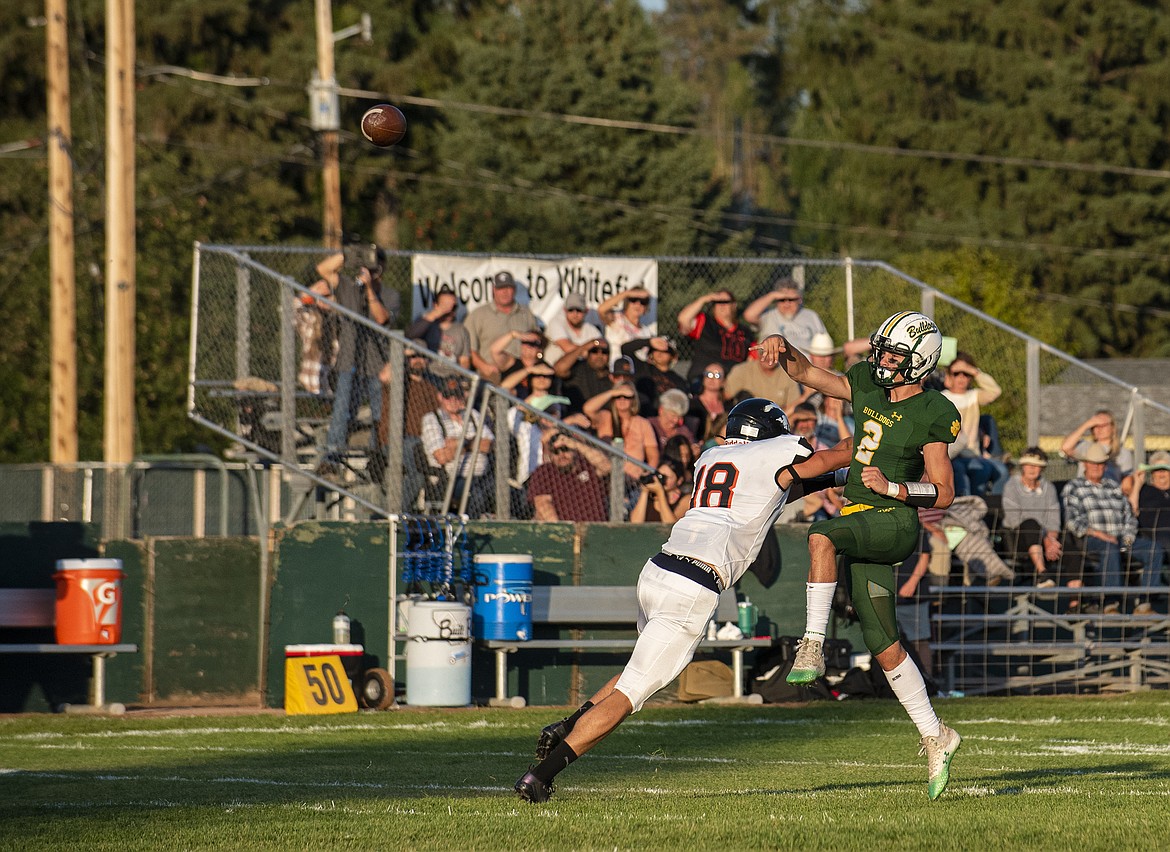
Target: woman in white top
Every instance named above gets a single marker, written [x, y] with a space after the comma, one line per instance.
[622, 326]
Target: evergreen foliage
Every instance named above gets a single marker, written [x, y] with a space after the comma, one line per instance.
[1078, 84]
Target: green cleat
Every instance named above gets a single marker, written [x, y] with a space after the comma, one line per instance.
[809, 663]
[939, 750]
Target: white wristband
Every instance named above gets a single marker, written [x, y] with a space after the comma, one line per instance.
[892, 489]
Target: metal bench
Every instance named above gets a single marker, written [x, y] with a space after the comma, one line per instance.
[1099, 650]
[572, 607]
[36, 608]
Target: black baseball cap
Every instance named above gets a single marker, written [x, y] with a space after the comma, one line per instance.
[504, 279]
[623, 366]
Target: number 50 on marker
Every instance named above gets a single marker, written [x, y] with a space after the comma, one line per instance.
[317, 684]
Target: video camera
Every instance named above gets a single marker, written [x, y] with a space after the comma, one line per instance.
[363, 255]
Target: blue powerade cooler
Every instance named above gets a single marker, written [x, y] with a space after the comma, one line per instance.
[503, 596]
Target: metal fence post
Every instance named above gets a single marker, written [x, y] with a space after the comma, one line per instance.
[288, 379]
[1032, 383]
[243, 321]
[396, 421]
[503, 459]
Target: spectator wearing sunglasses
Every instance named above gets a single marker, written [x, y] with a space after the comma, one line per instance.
[708, 403]
[654, 374]
[514, 369]
[628, 323]
[569, 487]
[569, 329]
[712, 322]
[584, 372]
[968, 388]
[782, 311]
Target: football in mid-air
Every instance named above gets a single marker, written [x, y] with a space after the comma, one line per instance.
[384, 125]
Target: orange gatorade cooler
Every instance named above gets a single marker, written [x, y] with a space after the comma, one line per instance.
[89, 601]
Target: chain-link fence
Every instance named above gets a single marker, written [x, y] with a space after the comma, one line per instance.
[260, 374]
[376, 424]
[1045, 393]
[196, 495]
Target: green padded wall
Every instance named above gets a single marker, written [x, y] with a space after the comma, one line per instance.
[126, 673]
[205, 639]
[319, 568]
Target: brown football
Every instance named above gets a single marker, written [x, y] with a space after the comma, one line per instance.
[384, 125]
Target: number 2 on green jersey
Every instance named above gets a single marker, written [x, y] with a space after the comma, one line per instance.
[868, 445]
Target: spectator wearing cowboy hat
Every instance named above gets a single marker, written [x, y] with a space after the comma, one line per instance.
[1031, 518]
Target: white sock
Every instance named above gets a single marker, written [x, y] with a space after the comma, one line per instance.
[908, 685]
[819, 603]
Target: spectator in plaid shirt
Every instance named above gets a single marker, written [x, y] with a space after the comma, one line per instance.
[1099, 514]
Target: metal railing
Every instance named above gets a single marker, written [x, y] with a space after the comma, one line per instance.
[248, 381]
[1046, 392]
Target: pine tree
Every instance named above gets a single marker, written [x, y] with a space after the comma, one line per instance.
[1081, 85]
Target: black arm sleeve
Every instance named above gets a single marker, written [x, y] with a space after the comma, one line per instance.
[831, 479]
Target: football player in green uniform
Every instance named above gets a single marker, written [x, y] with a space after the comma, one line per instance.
[902, 430]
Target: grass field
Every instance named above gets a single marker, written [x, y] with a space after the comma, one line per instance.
[1033, 773]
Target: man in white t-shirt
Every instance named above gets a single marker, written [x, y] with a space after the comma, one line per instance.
[782, 311]
[568, 329]
[740, 488]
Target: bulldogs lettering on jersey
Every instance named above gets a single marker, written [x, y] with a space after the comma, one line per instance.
[735, 502]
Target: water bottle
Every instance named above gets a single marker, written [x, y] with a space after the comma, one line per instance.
[747, 617]
[341, 628]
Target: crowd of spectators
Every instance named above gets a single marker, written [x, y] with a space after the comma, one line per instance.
[616, 381]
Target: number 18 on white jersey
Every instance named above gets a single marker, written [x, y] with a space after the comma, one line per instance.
[736, 501]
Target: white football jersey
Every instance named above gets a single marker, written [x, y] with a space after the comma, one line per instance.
[735, 502]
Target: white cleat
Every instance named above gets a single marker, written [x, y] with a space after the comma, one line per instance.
[939, 750]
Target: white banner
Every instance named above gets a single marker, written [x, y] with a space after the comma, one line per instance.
[540, 284]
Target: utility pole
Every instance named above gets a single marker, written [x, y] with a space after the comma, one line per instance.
[120, 237]
[326, 120]
[63, 289]
[325, 113]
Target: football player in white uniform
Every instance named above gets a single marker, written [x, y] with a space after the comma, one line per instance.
[740, 489]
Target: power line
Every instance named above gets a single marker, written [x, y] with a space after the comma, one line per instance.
[865, 230]
[1107, 306]
[792, 141]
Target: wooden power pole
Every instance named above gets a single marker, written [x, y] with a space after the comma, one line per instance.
[120, 237]
[63, 289]
[326, 120]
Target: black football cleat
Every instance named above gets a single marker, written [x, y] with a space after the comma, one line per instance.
[532, 789]
[550, 737]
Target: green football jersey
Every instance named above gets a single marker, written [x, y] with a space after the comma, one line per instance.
[891, 435]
